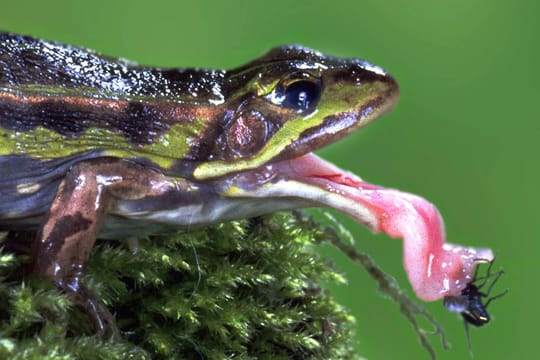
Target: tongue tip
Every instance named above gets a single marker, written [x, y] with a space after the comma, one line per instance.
[450, 270]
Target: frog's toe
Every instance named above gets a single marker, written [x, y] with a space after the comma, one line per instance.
[104, 321]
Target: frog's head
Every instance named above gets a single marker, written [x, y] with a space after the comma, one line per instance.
[291, 101]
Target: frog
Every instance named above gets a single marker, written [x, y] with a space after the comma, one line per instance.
[96, 146]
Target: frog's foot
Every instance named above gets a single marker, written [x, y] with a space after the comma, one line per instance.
[104, 321]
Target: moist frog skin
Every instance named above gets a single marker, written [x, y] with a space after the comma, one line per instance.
[96, 146]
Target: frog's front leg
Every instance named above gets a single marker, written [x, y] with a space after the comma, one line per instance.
[69, 231]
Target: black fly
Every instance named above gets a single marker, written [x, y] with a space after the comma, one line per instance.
[470, 303]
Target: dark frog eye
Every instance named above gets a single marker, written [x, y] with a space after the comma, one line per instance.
[301, 95]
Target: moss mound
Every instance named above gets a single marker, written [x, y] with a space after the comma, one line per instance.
[248, 289]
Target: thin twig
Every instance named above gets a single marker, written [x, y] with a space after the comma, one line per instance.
[388, 286]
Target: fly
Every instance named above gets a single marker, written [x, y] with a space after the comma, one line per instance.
[470, 304]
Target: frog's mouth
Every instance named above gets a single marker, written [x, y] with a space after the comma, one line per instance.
[435, 269]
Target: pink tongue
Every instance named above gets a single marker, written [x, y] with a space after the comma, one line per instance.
[435, 268]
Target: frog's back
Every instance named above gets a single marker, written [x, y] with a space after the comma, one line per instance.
[58, 100]
[33, 65]
[70, 89]
[61, 104]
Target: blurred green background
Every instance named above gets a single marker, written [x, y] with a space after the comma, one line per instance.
[464, 134]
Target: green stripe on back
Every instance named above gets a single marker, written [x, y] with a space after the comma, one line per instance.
[42, 143]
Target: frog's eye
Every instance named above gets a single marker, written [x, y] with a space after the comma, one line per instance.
[300, 95]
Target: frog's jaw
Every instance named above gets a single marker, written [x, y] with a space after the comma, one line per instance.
[436, 269]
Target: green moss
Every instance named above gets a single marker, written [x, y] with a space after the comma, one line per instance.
[246, 289]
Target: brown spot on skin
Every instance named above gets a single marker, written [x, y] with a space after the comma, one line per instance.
[65, 227]
[70, 225]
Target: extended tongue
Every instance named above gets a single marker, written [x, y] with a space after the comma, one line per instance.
[435, 269]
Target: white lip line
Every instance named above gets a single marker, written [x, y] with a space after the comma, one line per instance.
[333, 198]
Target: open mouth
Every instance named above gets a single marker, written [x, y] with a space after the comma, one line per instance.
[435, 268]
